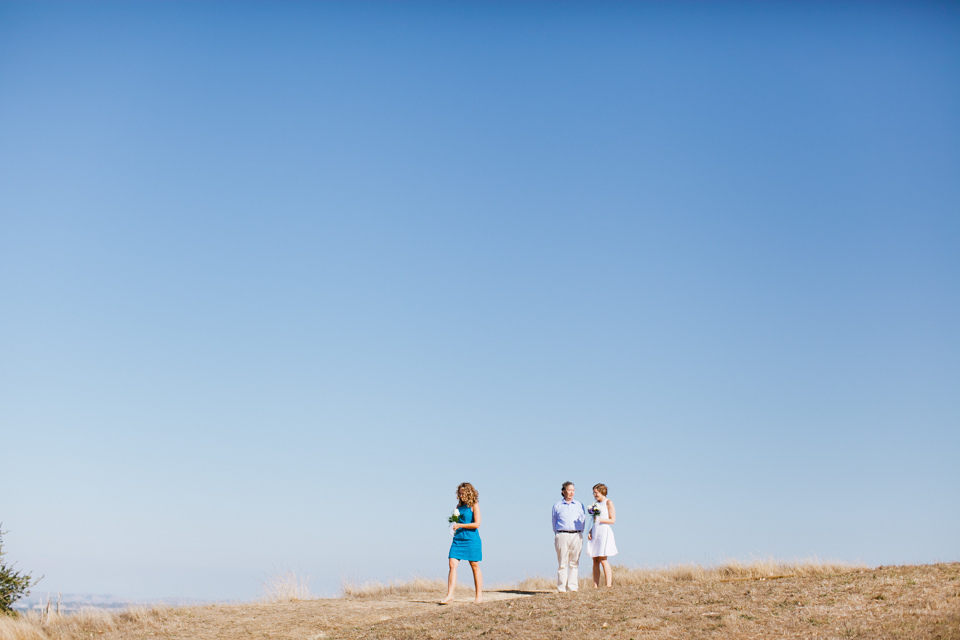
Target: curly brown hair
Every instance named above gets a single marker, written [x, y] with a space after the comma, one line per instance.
[467, 496]
[602, 488]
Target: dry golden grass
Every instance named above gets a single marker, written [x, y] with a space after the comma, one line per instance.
[799, 600]
[15, 628]
[394, 588]
[910, 603]
[416, 585]
[730, 570]
[287, 586]
[36, 626]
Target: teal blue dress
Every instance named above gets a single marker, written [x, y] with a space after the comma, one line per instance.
[466, 542]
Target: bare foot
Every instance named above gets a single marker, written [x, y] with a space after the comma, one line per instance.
[446, 600]
[478, 601]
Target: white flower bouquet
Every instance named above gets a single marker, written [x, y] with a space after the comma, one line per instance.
[454, 518]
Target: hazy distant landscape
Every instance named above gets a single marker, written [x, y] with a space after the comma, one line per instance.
[72, 602]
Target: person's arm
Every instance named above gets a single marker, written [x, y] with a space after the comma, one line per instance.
[476, 520]
[553, 518]
[612, 512]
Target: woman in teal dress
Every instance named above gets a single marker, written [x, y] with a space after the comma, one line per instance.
[466, 541]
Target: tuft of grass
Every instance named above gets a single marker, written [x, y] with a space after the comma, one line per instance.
[17, 628]
[287, 586]
[33, 625]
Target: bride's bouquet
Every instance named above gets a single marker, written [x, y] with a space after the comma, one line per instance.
[454, 517]
[594, 510]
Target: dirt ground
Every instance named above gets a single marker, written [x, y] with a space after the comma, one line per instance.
[894, 602]
[304, 620]
[887, 602]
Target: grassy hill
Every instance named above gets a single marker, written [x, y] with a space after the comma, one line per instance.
[759, 600]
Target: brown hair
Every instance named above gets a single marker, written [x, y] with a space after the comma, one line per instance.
[470, 495]
[564, 487]
[602, 488]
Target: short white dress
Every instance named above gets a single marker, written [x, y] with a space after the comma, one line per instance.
[603, 543]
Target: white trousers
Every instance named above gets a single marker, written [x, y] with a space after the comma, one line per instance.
[568, 547]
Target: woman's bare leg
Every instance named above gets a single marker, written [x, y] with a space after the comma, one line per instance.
[477, 581]
[451, 581]
[596, 572]
[608, 572]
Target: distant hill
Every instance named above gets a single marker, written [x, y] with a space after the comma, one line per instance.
[78, 601]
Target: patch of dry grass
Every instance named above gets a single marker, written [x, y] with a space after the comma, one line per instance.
[43, 626]
[376, 589]
[287, 586]
[908, 603]
[729, 570]
[18, 628]
[733, 600]
[416, 585]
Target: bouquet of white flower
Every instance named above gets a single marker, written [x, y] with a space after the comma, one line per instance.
[454, 518]
[594, 510]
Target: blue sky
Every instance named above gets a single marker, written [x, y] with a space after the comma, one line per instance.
[275, 278]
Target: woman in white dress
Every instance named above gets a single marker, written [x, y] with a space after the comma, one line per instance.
[600, 542]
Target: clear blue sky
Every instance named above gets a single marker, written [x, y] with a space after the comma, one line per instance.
[274, 278]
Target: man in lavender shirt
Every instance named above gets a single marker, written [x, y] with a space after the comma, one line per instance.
[569, 517]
